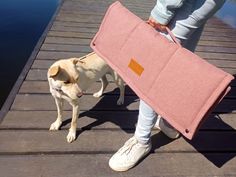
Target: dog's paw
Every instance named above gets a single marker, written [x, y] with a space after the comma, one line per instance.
[120, 101]
[97, 94]
[55, 125]
[71, 136]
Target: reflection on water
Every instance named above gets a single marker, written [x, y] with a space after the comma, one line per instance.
[21, 24]
[228, 13]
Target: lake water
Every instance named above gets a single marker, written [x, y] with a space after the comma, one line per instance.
[23, 22]
[228, 13]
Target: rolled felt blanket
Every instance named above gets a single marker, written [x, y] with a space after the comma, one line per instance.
[179, 85]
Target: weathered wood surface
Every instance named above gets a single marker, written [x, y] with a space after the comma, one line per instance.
[94, 165]
[27, 148]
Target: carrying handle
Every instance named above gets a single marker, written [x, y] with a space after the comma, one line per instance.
[154, 25]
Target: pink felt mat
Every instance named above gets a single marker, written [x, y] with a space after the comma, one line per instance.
[177, 84]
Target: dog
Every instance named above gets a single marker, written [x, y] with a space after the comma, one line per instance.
[70, 78]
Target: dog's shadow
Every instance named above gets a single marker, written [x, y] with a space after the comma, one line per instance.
[106, 110]
[215, 140]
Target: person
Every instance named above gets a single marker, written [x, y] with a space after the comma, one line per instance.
[186, 19]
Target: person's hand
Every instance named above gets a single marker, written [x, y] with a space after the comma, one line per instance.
[151, 21]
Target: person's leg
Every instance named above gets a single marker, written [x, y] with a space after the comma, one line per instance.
[187, 25]
[139, 145]
[188, 22]
[146, 120]
[191, 43]
[166, 128]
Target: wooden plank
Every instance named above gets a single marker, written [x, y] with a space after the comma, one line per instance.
[209, 24]
[221, 34]
[66, 48]
[108, 102]
[217, 43]
[86, 48]
[71, 34]
[63, 40]
[51, 55]
[43, 87]
[37, 74]
[57, 55]
[66, 40]
[133, 3]
[56, 29]
[222, 56]
[158, 165]
[103, 141]
[80, 18]
[76, 24]
[218, 30]
[91, 19]
[88, 120]
[104, 4]
[98, 18]
[41, 74]
[216, 49]
[74, 29]
[101, 120]
[82, 12]
[102, 9]
[217, 38]
[220, 26]
[44, 64]
[222, 63]
[37, 102]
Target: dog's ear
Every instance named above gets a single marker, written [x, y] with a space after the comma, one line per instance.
[53, 71]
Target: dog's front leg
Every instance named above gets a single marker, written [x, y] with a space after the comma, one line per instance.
[56, 125]
[72, 132]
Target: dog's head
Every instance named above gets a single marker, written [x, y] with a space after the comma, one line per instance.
[63, 78]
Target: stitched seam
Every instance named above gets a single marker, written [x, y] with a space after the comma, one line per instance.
[167, 63]
[129, 35]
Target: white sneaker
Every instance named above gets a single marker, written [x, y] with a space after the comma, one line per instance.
[167, 129]
[129, 155]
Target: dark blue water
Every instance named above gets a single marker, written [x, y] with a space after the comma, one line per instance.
[228, 13]
[21, 24]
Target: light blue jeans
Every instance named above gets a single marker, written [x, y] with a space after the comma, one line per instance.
[187, 26]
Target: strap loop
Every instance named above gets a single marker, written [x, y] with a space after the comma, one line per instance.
[154, 25]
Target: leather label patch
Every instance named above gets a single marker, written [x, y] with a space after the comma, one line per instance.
[135, 67]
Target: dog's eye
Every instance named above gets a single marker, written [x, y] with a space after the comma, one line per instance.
[66, 82]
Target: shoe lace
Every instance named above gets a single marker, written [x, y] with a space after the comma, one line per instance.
[128, 146]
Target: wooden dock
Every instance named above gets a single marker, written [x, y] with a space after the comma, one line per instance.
[27, 148]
